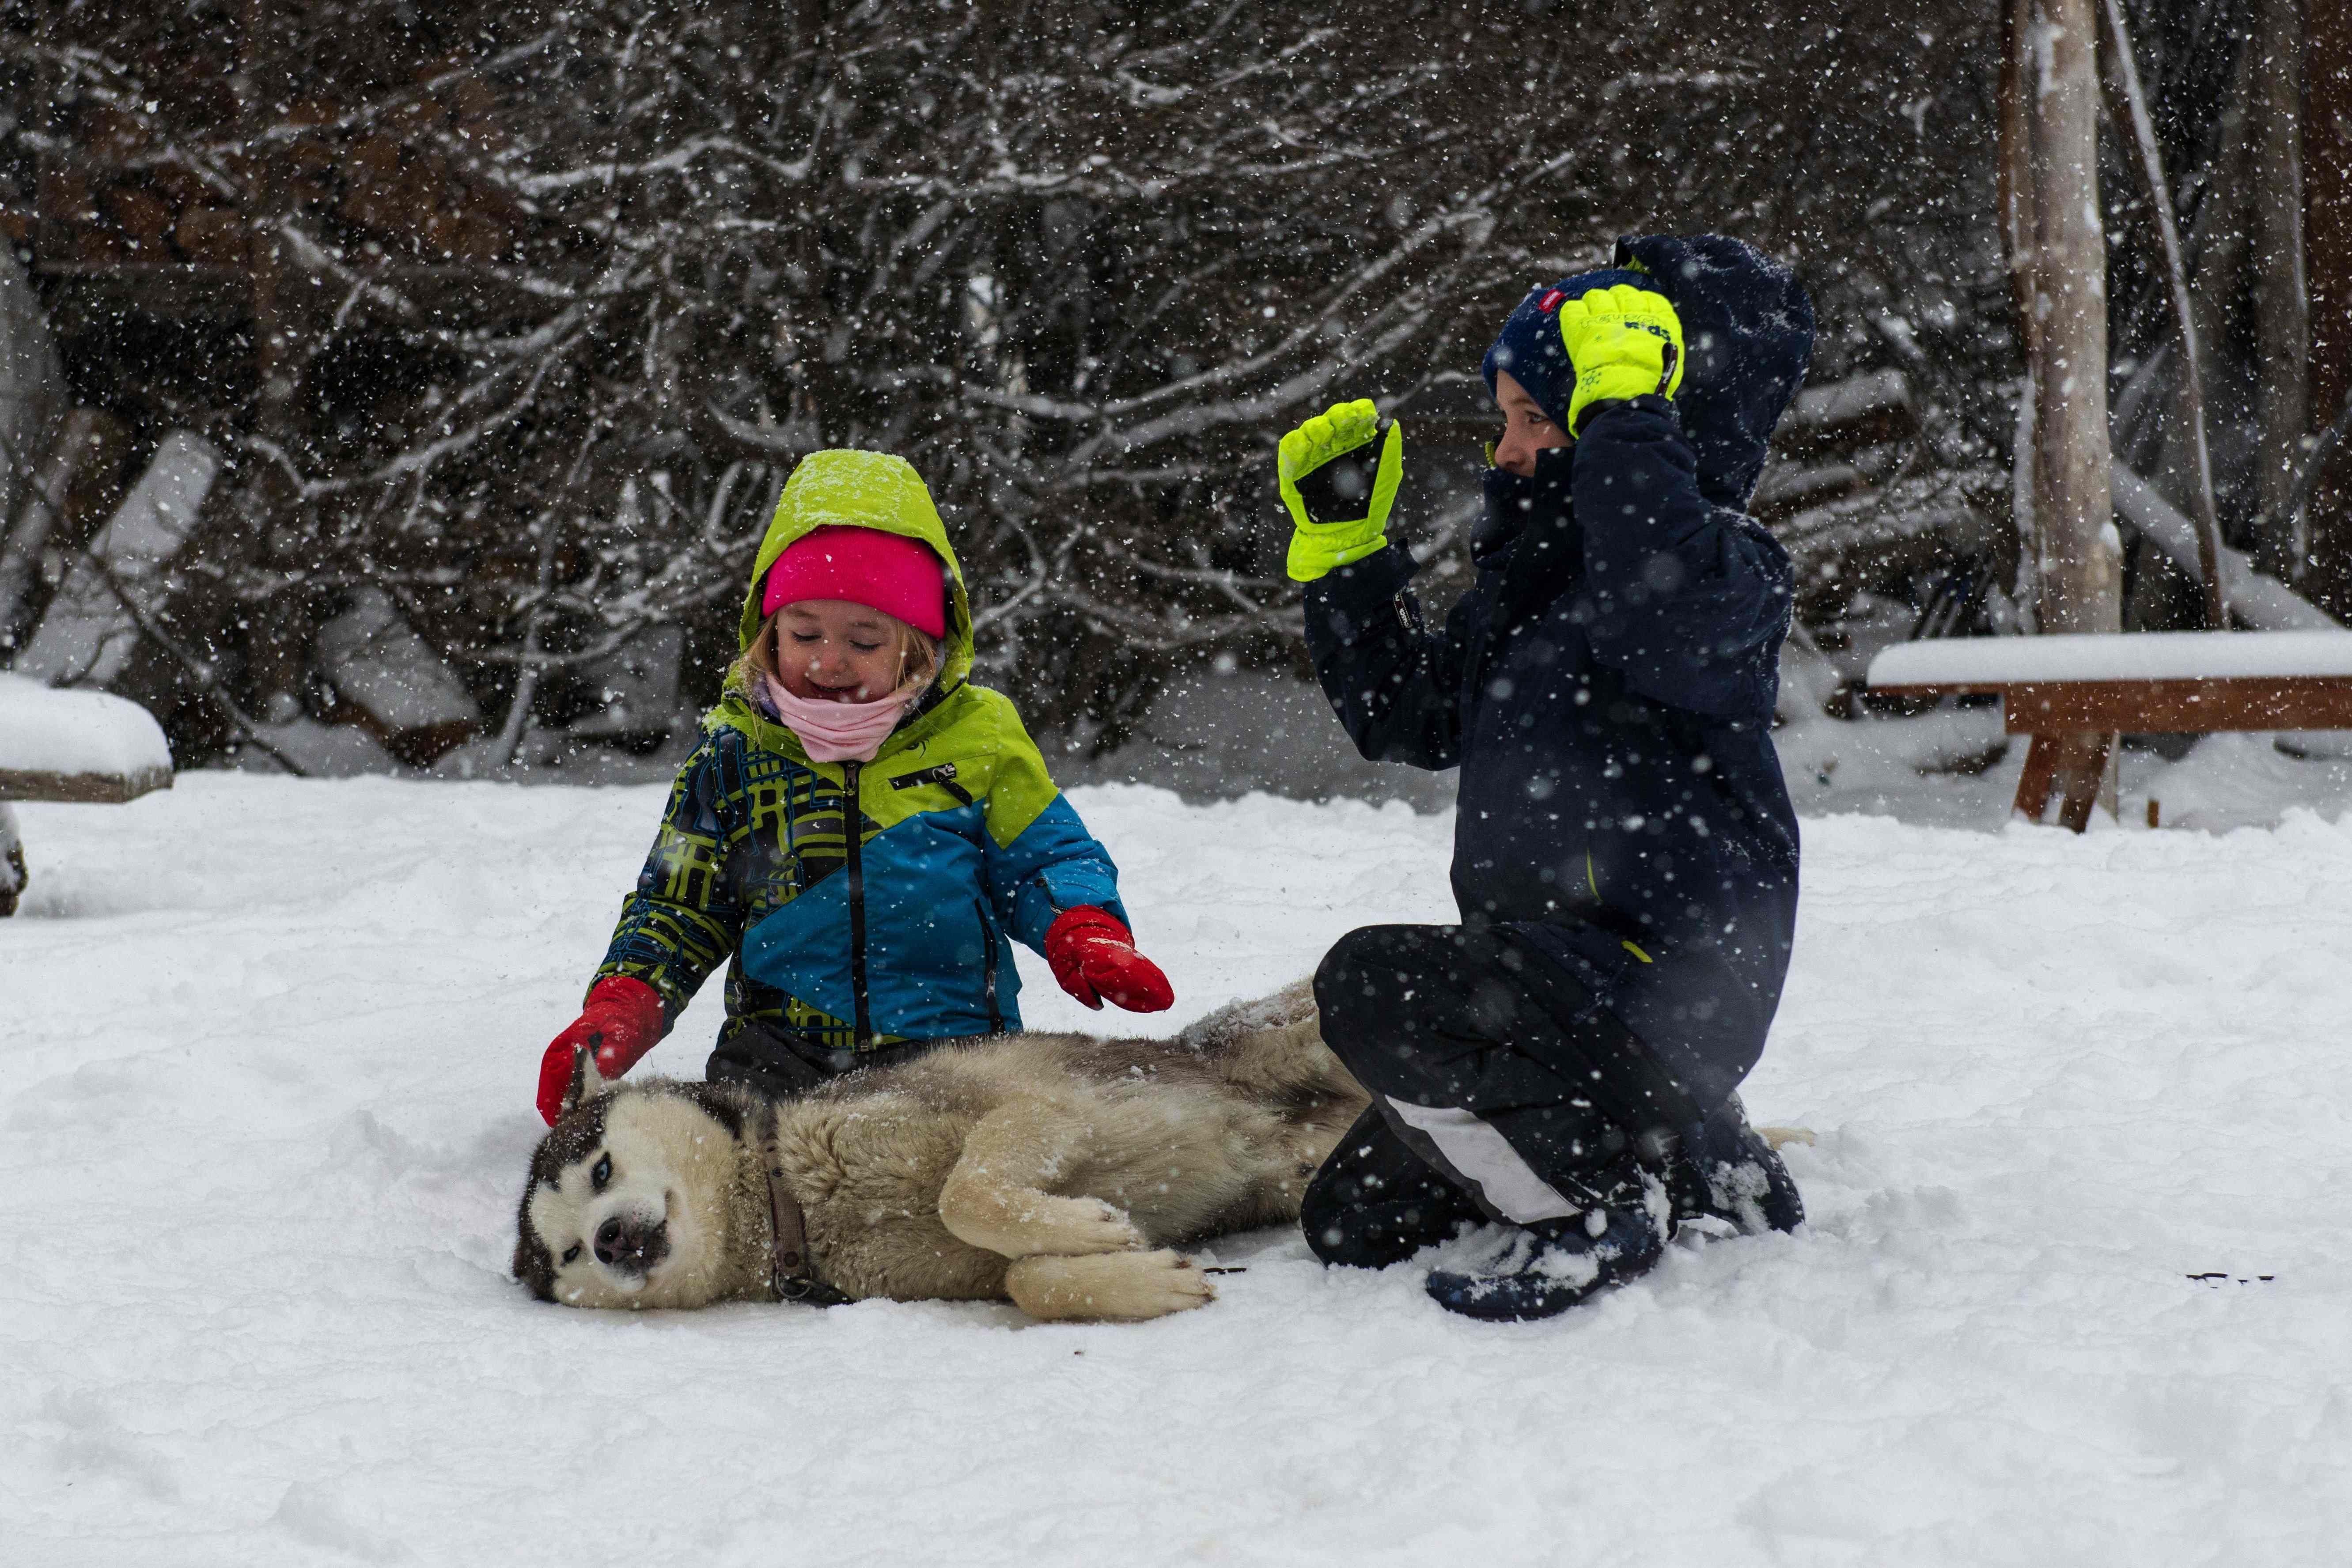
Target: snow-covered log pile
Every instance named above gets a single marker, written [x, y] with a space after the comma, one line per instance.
[1855, 493]
[1880, 532]
[2253, 599]
[381, 675]
[636, 690]
[116, 588]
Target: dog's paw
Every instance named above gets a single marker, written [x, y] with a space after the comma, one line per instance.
[1161, 1282]
[1020, 1221]
[1115, 1287]
[1076, 1225]
[1154, 1284]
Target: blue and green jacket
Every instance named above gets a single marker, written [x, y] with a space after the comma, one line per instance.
[897, 928]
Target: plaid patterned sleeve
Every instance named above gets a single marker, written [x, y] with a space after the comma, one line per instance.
[684, 919]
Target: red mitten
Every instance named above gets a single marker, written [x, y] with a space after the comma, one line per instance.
[622, 1022]
[1095, 959]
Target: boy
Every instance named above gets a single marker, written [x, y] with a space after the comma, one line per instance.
[1625, 855]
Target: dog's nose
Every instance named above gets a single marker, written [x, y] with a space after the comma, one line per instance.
[630, 1248]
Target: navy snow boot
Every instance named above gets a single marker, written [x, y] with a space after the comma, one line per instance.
[1375, 1201]
[1553, 1264]
[1725, 1170]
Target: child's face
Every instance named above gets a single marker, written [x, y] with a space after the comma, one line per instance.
[1527, 428]
[831, 650]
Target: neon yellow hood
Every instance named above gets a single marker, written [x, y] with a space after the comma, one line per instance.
[845, 487]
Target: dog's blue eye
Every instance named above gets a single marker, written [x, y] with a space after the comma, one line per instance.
[570, 1253]
[601, 1175]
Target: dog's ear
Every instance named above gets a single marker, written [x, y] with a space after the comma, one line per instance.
[586, 1082]
[726, 1104]
[534, 1265]
[585, 1079]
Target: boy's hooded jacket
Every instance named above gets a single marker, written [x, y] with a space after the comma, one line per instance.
[896, 932]
[1606, 685]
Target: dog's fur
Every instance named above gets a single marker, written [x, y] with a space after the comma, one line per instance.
[1060, 1171]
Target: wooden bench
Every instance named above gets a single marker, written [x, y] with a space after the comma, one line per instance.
[88, 748]
[2074, 695]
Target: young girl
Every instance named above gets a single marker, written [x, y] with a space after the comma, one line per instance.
[850, 705]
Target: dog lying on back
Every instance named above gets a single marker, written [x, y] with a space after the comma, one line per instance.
[1059, 1171]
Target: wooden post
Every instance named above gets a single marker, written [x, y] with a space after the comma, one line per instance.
[2075, 767]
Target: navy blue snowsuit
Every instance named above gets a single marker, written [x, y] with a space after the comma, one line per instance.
[1625, 853]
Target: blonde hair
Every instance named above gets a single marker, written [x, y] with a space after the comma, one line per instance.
[918, 654]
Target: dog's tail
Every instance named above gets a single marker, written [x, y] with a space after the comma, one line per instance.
[1272, 1050]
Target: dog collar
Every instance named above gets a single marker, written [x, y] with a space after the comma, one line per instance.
[792, 1273]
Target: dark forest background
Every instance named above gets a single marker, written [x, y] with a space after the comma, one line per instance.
[507, 321]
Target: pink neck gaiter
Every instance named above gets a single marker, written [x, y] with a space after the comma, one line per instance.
[842, 731]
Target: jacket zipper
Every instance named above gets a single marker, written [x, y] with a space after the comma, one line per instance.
[988, 941]
[853, 818]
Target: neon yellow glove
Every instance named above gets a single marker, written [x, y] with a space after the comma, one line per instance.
[1624, 342]
[1341, 502]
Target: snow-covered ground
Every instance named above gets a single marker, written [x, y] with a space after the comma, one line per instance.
[271, 1047]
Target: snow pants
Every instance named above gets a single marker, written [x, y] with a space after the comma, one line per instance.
[1501, 1089]
[781, 1065]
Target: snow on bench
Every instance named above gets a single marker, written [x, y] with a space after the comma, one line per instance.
[2138, 682]
[2075, 694]
[1991, 663]
[86, 746]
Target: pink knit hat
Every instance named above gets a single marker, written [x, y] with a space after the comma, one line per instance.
[885, 572]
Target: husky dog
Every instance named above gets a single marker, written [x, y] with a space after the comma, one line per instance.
[1059, 1171]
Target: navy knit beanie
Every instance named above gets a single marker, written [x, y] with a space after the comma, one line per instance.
[1528, 346]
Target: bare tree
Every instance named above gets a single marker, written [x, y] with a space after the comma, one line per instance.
[2077, 552]
[2282, 281]
[2193, 369]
